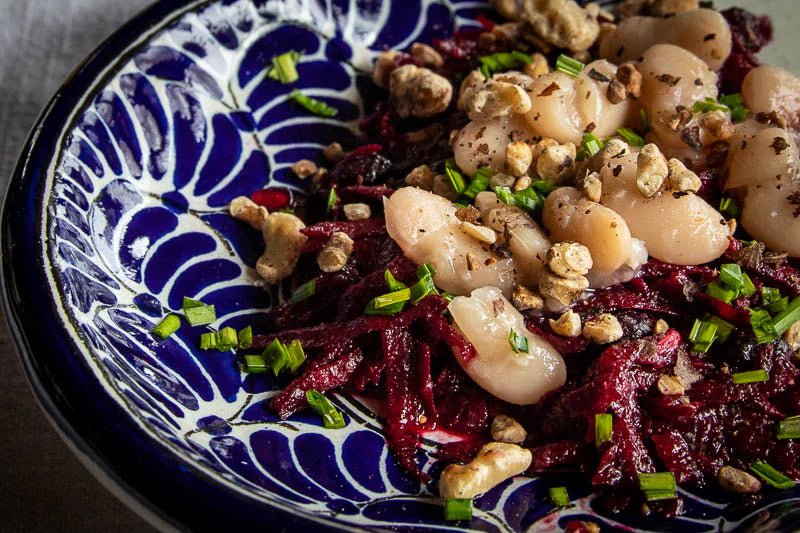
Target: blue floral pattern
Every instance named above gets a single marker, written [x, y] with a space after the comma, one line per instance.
[135, 220]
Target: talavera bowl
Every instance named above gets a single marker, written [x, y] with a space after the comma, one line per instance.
[117, 210]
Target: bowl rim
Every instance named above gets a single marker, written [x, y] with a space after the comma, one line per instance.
[143, 474]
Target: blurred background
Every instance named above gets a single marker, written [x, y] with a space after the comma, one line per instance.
[42, 485]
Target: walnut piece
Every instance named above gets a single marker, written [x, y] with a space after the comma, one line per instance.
[422, 177]
[443, 187]
[682, 179]
[336, 252]
[631, 79]
[385, 63]
[670, 385]
[569, 259]
[357, 211]
[567, 325]
[518, 158]
[792, 336]
[557, 163]
[591, 186]
[563, 23]
[244, 209]
[333, 153]
[498, 99]
[282, 245]
[510, 9]
[419, 92]
[652, 170]
[538, 67]
[495, 462]
[524, 299]
[522, 183]
[304, 168]
[564, 291]
[602, 329]
[661, 327]
[506, 429]
[738, 481]
[427, 55]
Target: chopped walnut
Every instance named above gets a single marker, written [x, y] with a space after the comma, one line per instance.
[468, 214]
[524, 299]
[385, 64]
[304, 168]
[569, 259]
[738, 481]
[474, 81]
[336, 252]
[518, 158]
[244, 209]
[357, 211]
[427, 55]
[717, 124]
[422, 177]
[564, 291]
[669, 385]
[661, 327]
[567, 325]
[652, 170]
[631, 79]
[502, 180]
[563, 23]
[539, 147]
[480, 233]
[506, 429]
[509, 9]
[557, 163]
[508, 32]
[680, 119]
[792, 336]
[616, 92]
[282, 245]
[522, 183]
[538, 67]
[681, 178]
[514, 77]
[443, 187]
[419, 92]
[498, 99]
[591, 186]
[602, 329]
[333, 153]
[495, 462]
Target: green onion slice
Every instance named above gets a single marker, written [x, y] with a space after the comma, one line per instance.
[457, 509]
[518, 342]
[568, 65]
[762, 325]
[559, 496]
[391, 282]
[753, 376]
[730, 275]
[331, 417]
[706, 105]
[787, 317]
[502, 61]
[735, 103]
[717, 290]
[332, 199]
[310, 104]
[392, 298]
[771, 476]
[167, 326]
[197, 313]
[296, 355]
[630, 136]
[505, 195]
[423, 288]
[592, 144]
[729, 207]
[789, 428]
[209, 341]
[227, 339]
[255, 364]
[748, 288]
[455, 176]
[284, 67]
[304, 291]
[479, 183]
[702, 335]
[426, 270]
[276, 356]
[658, 486]
[724, 328]
[246, 337]
[603, 428]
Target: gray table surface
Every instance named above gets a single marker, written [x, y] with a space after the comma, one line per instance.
[42, 486]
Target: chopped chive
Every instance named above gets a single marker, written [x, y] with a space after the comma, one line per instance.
[630, 136]
[543, 187]
[479, 183]
[391, 282]
[455, 176]
[447, 296]
[717, 290]
[568, 65]
[255, 364]
[771, 476]
[311, 104]
[502, 61]
[603, 428]
[724, 328]
[773, 301]
[559, 496]
[729, 207]
[702, 335]
[209, 341]
[372, 309]
[505, 195]
[304, 291]
[457, 509]
[730, 275]
[735, 103]
[708, 105]
[296, 355]
[167, 326]
[284, 67]
[525, 59]
[591, 144]
[658, 486]
[789, 428]
[753, 376]
[518, 341]
[748, 288]
[197, 313]
[331, 417]
[426, 270]
[787, 317]
[246, 337]
[392, 298]
[763, 326]
[276, 356]
[332, 199]
[227, 339]
[423, 288]
[529, 199]
[645, 120]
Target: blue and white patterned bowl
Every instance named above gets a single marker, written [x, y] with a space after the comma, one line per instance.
[117, 210]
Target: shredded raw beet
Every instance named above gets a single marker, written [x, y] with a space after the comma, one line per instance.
[750, 34]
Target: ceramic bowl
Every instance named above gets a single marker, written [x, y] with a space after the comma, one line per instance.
[117, 210]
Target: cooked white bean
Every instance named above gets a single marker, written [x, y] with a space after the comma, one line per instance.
[484, 143]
